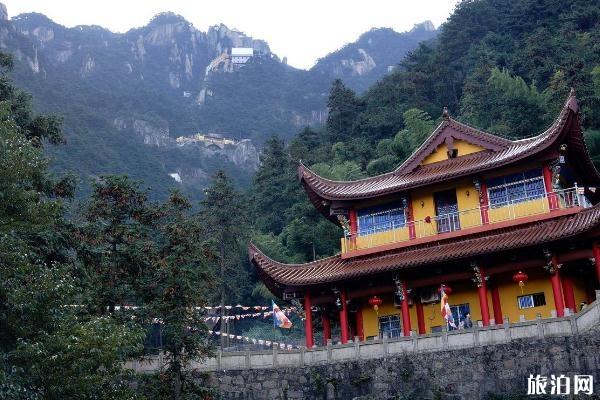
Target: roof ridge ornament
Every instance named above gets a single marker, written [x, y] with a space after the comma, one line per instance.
[445, 114]
[572, 101]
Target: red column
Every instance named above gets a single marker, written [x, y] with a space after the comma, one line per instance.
[568, 293]
[308, 327]
[556, 290]
[483, 301]
[420, 317]
[326, 328]
[344, 318]
[412, 233]
[596, 252]
[496, 305]
[405, 313]
[484, 204]
[552, 202]
[360, 332]
[353, 228]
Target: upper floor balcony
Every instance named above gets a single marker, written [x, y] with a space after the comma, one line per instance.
[519, 210]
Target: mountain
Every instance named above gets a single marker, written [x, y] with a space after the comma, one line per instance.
[127, 97]
[376, 53]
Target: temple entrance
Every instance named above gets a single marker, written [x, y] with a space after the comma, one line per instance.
[446, 209]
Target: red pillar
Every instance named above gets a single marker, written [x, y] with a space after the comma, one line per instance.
[412, 233]
[353, 229]
[308, 327]
[360, 331]
[552, 201]
[405, 313]
[483, 301]
[344, 317]
[484, 204]
[556, 289]
[567, 287]
[326, 327]
[420, 317]
[496, 305]
[596, 252]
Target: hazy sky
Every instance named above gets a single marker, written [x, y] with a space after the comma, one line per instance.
[302, 30]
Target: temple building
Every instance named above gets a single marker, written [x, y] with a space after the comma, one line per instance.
[509, 228]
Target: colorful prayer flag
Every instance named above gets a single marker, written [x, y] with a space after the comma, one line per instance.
[279, 318]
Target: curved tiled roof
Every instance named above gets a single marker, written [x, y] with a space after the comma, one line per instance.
[499, 152]
[277, 275]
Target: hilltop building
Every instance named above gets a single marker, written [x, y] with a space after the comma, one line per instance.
[509, 227]
[241, 55]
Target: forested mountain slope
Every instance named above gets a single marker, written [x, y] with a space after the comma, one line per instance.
[126, 97]
[503, 66]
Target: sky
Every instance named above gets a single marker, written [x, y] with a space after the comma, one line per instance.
[301, 30]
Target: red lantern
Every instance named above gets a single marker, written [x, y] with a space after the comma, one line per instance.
[375, 302]
[520, 278]
[447, 289]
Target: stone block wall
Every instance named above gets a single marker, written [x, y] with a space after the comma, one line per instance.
[469, 373]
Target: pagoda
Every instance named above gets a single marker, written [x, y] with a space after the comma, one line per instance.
[508, 229]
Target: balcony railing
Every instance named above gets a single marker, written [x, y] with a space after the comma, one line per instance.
[393, 232]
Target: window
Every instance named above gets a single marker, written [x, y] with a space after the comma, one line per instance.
[516, 188]
[459, 312]
[389, 324]
[531, 300]
[379, 219]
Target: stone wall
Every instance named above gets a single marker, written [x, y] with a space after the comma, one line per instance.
[470, 373]
[466, 364]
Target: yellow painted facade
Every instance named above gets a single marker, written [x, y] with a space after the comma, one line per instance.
[466, 293]
[423, 204]
[441, 152]
[519, 210]
[467, 197]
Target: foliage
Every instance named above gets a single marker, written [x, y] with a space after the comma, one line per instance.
[175, 290]
[49, 349]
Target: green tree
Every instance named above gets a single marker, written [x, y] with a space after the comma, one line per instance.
[224, 217]
[274, 188]
[176, 289]
[344, 107]
[391, 152]
[47, 349]
[115, 241]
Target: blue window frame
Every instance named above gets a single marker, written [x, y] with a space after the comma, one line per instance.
[379, 219]
[518, 187]
[531, 300]
[389, 324]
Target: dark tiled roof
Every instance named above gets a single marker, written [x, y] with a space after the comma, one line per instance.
[278, 275]
[499, 152]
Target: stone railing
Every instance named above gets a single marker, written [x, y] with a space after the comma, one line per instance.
[478, 336]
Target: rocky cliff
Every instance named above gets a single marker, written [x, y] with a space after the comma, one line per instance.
[127, 96]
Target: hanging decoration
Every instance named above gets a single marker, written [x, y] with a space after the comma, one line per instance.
[375, 302]
[447, 289]
[520, 278]
[261, 342]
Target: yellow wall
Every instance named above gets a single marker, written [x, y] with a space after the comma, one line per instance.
[465, 202]
[466, 292]
[539, 281]
[441, 152]
[370, 318]
[518, 210]
[379, 238]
